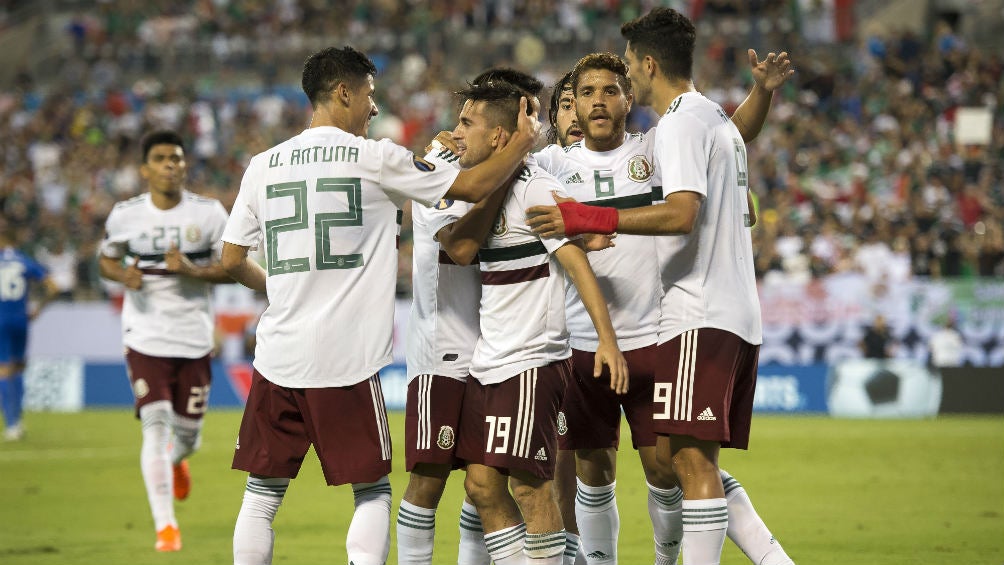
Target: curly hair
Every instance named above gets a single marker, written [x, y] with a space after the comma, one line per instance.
[323, 70]
[603, 61]
[668, 37]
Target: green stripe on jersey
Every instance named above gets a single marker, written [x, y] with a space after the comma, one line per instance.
[521, 251]
[624, 202]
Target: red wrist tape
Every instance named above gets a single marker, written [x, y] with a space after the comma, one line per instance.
[582, 218]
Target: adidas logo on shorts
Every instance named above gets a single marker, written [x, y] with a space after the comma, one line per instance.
[707, 415]
[541, 455]
[574, 179]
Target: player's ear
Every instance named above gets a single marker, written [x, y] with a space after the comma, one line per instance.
[343, 93]
[498, 137]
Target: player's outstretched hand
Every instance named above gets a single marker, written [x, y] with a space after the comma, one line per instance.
[546, 221]
[773, 71]
[608, 354]
[177, 262]
[133, 277]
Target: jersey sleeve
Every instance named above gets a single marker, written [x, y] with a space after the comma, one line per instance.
[244, 228]
[538, 193]
[681, 154]
[34, 270]
[406, 175]
[115, 244]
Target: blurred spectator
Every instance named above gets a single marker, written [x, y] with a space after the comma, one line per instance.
[946, 346]
[877, 342]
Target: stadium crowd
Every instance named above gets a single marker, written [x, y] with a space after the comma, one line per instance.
[857, 169]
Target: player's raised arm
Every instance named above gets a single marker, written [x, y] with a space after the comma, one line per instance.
[768, 76]
[573, 259]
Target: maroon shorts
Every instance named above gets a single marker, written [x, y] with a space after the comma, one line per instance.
[431, 421]
[183, 382]
[513, 424]
[707, 390]
[592, 412]
[347, 426]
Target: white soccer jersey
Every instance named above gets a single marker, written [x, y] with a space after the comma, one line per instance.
[628, 274]
[443, 326]
[325, 205]
[707, 274]
[523, 288]
[170, 316]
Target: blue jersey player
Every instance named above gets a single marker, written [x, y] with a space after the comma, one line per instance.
[17, 272]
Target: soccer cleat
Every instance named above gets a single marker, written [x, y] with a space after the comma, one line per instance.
[168, 539]
[182, 481]
[14, 433]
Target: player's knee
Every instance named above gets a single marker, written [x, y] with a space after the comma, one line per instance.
[480, 492]
[530, 493]
[693, 461]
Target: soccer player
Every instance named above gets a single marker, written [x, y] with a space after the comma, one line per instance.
[324, 204]
[520, 365]
[709, 326]
[620, 166]
[442, 333]
[17, 274]
[163, 245]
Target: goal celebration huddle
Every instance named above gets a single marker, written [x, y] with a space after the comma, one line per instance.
[557, 286]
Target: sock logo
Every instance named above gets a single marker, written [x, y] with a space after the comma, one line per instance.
[707, 415]
[541, 455]
[597, 555]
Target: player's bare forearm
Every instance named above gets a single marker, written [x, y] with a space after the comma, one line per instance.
[462, 239]
[749, 204]
[675, 216]
[113, 270]
[573, 259]
[214, 273]
[242, 269]
[751, 115]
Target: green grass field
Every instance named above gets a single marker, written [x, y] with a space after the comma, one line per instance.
[832, 491]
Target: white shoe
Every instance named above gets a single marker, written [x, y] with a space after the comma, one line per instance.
[14, 433]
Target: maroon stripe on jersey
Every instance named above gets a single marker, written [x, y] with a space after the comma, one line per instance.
[164, 272]
[514, 276]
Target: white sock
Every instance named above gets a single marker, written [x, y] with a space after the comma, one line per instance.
[472, 538]
[546, 548]
[253, 534]
[156, 464]
[704, 524]
[368, 540]
[506, 545]
[746, 528]
[571, 548]
[416, 530]
[187, 437]
[665, 508]
[599, 522]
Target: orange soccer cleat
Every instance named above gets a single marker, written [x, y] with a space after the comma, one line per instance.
[182, 481]
[168, 539]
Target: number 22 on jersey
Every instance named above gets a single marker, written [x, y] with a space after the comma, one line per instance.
[297, 190]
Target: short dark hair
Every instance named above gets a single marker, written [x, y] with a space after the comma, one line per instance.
[552, 113]
[323, 70]
[160, 137]
[604, 61]
[668, 37]
[502, 101]
[521, 80]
